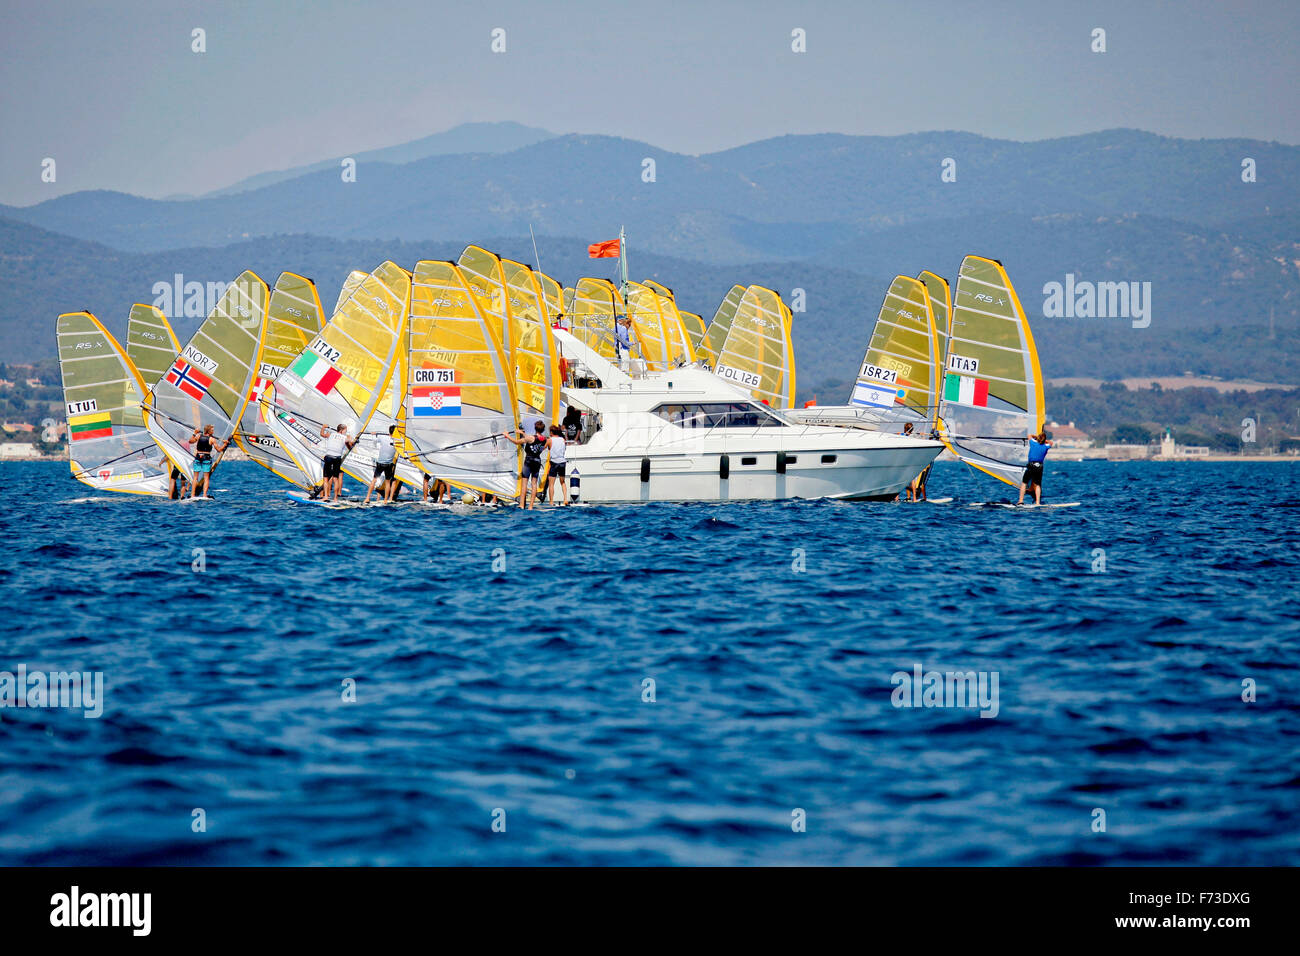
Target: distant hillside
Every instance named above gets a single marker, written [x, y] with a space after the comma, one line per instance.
[786, 198]
[1206, 318]
[1198, 416]
[465, 138]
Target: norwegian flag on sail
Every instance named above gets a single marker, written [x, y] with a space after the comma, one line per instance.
[188, 379]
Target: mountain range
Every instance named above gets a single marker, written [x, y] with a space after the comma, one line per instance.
[465, 138]
[790, 197]
[836, 216]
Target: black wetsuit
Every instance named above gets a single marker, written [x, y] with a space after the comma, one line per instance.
[533, 452]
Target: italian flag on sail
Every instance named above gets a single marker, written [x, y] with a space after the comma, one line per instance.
[316, 372]
[965, 390]
[94, 425]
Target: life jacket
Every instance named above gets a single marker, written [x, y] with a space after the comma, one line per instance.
[203, 448]
[534, 450]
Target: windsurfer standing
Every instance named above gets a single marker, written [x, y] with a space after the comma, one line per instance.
[204, 446]
[1033, 477]
[385, 466]
[534, 449]
[337, 444]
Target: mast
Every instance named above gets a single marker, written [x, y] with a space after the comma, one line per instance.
[622, 261]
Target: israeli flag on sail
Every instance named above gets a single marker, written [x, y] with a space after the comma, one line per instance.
[877, 396]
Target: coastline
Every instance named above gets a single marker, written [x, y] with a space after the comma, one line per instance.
[1056, 459]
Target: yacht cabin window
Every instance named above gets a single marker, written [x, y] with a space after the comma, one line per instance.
[718, 415]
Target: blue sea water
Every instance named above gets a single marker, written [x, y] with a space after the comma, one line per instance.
[1120, 631]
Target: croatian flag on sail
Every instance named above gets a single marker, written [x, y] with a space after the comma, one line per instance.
[965, 390]
[877, 396]
[188, 379]
[316, 372]
[430, 400]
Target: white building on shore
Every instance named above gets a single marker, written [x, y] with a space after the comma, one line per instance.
[1169, 449]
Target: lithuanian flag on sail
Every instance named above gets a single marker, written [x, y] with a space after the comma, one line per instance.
[92, 425]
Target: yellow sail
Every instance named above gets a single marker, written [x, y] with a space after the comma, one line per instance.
[350, 284]
[898, 376]
[109, 448]
[695, 329]
[482, 270]
[758, 354]
[536, 358]
[941, 305]
[390, 413]
[553, 296]
[344, 373]
[679, 340]
[209, 383]
[151, 344]
[992, 397]
[461, 393]
[527, 342]
[721, 322]
[293, 318]
[593, 314]
[655, 338]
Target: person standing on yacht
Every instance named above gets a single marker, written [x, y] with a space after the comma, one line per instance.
[623, 341]
[572, 424]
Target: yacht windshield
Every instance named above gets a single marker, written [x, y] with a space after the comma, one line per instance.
[719, 415]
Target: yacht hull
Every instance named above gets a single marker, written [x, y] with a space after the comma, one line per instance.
[750, 476]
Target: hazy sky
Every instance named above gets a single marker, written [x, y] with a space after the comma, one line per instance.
[114, 94]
